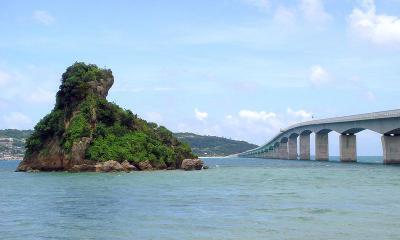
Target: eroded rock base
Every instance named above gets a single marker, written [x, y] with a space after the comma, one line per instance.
[114, 166]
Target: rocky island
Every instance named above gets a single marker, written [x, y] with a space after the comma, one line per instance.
[85, 132]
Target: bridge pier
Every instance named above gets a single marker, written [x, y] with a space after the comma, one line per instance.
[276, 153]
[348, 148]
[391, 149]
[283, 145]
[283, 150]
[292, 148]
[321, 146]
[304, 146]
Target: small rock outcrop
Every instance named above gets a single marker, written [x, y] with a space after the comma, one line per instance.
[111, 166]
[145, 166]
[85, 132]
[128, 167]
[192, 164]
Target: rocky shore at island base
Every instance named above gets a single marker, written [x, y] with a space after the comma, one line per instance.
[115, 166]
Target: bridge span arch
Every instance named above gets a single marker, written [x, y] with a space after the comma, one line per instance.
[285, 144]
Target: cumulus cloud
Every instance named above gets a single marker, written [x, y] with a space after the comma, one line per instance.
[4, 78]
[267, 122]
[319, 76]
[43, 17]
[200, 115]
[314, 11]
[16, 120]
[256, 116]
[261, 125]
[378, 29]
[252, 125]
[299, 113]
[246, 124]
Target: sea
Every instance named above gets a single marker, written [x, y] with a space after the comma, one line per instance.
[236, 198]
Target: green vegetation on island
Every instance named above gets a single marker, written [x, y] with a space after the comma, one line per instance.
[211, 146]
[84, 126]
[201, 145]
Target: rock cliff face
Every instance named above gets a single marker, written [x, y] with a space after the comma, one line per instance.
[85, 132]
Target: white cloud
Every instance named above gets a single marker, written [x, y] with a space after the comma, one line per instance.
[285, 16]
[304, 115]
[314, 11]
[43, 17]
[259, 126]
[4, 78]
[16, 120]
[319, 76]
[200, 115]
[40, 95]
[248, 125]
[378, 29]
[267, 122]
[256, 116]
[260, 4]
[253, 125]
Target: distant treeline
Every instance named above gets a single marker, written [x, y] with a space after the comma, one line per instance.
[213, 146]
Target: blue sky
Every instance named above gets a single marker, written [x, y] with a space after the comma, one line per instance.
[235, 68]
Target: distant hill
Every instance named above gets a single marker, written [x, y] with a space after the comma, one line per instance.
[201, 145]
[12, 143]
[15, 133]
[213, 146]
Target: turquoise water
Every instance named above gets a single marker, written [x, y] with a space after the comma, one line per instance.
[235, 199]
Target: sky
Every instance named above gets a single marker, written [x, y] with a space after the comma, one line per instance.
[241, 69]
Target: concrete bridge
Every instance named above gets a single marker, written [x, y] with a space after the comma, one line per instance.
[284, 145]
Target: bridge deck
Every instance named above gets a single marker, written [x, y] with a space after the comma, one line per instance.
[345, 119]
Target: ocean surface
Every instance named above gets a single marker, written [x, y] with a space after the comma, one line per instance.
[235, 199]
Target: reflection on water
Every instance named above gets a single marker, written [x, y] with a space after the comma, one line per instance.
[235, 199]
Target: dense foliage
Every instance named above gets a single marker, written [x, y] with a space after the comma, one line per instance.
[75, 84]
[114, 133]
[213, 146]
